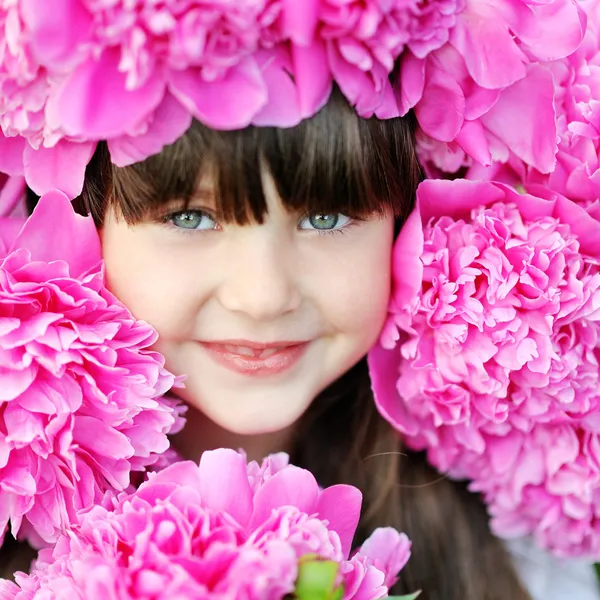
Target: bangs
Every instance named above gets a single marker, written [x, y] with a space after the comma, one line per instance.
[333, 162]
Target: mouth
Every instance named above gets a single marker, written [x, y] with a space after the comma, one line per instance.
[256, 358]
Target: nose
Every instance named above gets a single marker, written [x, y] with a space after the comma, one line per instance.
[260, 279]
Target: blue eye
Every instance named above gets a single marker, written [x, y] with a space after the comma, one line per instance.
[321, 222]
[192, 220]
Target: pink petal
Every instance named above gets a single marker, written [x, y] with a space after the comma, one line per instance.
[441, 110]
[473, 141]
[388, 550]
[411, 82]
[94, 103]
[479, 101]
[299, 20]
[11, 154]
[523, 118]
[169, 122]
[291, 487]
[55, 213]
[552, 30]
[489, 50]
[224, 484]
[13, 383]
[99, 437]
[217, 103]
[388, 108]
[11, 194]
[9, 590]
[9, 230]
[283, 108]
[466, 195]
[383, 371]
[357, 85]
[184, 473]
[313, 77]
[340, 506]
[57, 29]
[407, 266]
[61, 167]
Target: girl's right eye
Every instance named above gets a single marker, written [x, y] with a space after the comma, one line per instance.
[192, 220]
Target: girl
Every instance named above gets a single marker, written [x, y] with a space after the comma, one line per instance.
[262, 258]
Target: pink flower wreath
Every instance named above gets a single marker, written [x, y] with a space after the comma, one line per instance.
[74, 72]
[490, 357]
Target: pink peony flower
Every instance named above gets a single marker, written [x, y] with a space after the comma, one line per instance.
[577, 101]
[352, 43]
[80, 391]
[146, 69]
[489, 359]
[483, 94]
[203, 532]
[364, 40]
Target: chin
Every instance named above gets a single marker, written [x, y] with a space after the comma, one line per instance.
[254, 416]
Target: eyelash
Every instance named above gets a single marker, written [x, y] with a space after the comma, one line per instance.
[166, 220]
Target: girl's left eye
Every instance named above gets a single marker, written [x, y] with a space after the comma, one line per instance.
[193, 220]
[319, 222]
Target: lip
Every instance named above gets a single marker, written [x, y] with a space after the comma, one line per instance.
[285, 357]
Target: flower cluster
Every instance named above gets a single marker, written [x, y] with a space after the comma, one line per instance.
[136, 73]
[489, 359]
[577, 102]
[80, 391]
[217, 530]
[486, 94]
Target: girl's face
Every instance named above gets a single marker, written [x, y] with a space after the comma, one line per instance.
[260, 317]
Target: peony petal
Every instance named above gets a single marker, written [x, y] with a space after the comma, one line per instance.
[224, 484]
[473, 141]
[57, 30]
[523, 118]
[55, 213]
[313, 77]
[550, 30]
[95, 104]
[11, 194]
[487, 46]
[13, 383]
[61, 167]
[100, 438]
[169, 122]
[11, 154]
[283, 108]
[441, 110]
[299, 20]
[388, 550]
[383, 371]
[290, 487]
[433, 197]
[411, 82]
[217, 103]
[340, 505]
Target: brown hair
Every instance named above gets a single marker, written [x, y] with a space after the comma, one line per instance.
[334, 162]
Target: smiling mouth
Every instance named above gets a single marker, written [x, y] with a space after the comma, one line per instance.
[250, 358]
[253, 352]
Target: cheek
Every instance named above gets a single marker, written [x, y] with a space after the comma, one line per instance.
[142, 278]
[357, 295]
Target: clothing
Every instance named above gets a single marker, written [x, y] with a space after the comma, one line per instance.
[550, 578]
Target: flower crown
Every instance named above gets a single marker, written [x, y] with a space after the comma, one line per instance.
[75, 72]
